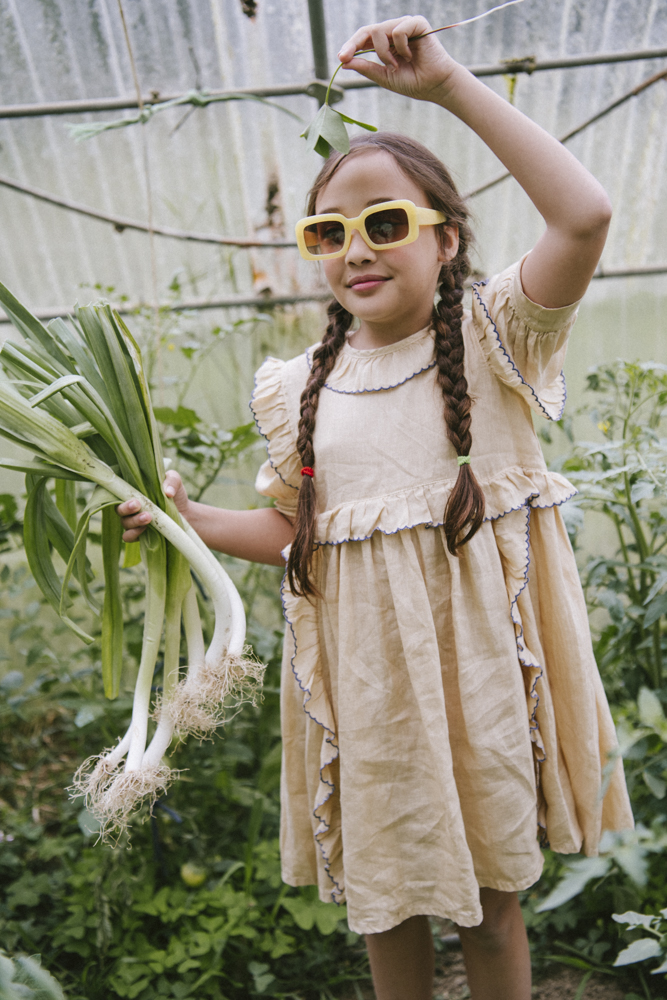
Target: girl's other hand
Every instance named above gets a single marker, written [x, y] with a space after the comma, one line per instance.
[419, 70]
[135, 522]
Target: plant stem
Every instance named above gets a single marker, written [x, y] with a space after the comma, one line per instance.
[335, 73]
[657, 652]
[154, 552]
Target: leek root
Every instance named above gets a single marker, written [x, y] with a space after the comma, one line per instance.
[80, 403]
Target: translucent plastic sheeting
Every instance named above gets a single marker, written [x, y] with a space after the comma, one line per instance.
[241, 169]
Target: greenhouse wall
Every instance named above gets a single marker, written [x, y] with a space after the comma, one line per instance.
[239, 169]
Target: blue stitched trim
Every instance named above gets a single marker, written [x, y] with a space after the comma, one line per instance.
[511, 362]
[330, 739]
[382, 388]
[527, 501]
[266, 436]
[533, 724]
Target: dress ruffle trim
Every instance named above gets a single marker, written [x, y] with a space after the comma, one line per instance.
[425, 504]
[301, 617]
[269, 408]
[382, 367]
[514, 549]
[549, 401]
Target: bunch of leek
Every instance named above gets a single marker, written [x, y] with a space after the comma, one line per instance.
[78, 399]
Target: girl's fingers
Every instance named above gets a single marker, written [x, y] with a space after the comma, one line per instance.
[396, 32]
[172, 483]
[382, 46]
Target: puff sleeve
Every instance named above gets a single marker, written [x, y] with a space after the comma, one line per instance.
[279, 477]
[524, 343]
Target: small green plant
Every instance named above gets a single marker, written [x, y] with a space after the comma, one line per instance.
[624, 478]
[23, 978]
[644, 948]
[327, 130]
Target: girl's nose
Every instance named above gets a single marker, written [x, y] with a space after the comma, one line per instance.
[359, 251]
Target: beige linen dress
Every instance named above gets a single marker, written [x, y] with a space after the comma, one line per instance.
[436, 711]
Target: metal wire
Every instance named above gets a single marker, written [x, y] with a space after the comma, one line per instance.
[644, 85]
[120, 223]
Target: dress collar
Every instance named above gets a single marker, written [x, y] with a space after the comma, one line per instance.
[380, 368]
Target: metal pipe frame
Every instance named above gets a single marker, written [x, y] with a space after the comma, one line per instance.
[262, 302]
[507, 67]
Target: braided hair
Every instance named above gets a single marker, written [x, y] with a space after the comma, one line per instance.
[324, 358]
[465, 506]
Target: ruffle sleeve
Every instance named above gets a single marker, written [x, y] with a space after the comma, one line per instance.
[524, 343]
[279, 477]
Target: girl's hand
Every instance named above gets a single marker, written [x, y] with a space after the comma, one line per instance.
[136, 523]
[420, 70]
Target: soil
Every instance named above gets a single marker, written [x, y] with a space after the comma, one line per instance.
[560, 983]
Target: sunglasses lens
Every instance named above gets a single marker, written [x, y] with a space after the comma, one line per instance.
[324, 237]
[390, 226]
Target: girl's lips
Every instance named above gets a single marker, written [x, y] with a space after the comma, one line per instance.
[367, 282]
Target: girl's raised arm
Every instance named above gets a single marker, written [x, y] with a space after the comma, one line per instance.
[574, 206]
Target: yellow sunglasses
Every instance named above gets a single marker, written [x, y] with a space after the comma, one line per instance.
[385, 226]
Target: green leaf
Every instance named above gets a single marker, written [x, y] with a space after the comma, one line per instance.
[327, 127]
[642, 490]
[634, 919]
[181, 417]
[112, 611]
[35, 534]
[30, 327]
[51, 390]
[355, 121]
[650, 709]
[656, 609]
[639, 951]
[656, 785]
[579, 873]
[132, 555]
[66, 501]
[39, 469]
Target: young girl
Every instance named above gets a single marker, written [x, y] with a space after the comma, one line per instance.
[440, 700]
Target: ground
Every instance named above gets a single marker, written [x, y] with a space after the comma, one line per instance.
[560, 983]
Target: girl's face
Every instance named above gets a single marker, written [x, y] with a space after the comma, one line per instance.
[390, 291]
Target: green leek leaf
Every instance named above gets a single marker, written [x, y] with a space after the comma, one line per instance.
[35, 535]
[30, 327]
[131, 555]
[112, 611]
[39, 469]
[66, 500]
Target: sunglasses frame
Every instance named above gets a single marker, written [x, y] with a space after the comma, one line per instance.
[416, 217]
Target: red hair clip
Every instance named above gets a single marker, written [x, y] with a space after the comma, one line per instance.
[307, 471]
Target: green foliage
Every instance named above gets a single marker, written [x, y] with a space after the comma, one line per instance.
[204, 447]
[193, 904]
[644, 948]
[130, 922]
[23, 978]
[623, 478]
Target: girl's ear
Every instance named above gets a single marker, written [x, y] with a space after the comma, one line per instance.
[448, 243]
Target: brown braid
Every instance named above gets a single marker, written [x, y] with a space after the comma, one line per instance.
[465, 507]
[324, 358]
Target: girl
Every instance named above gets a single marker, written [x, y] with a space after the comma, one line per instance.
[440, 704]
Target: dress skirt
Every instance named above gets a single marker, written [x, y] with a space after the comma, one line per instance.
[438, 713]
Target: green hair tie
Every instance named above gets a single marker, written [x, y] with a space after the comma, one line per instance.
[464, 459]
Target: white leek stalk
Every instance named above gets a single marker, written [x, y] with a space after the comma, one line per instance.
[93, 402]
